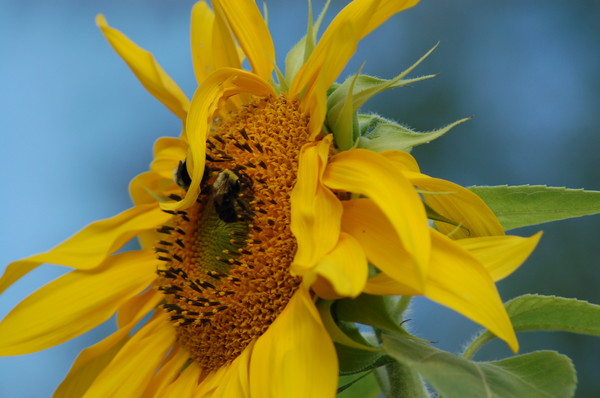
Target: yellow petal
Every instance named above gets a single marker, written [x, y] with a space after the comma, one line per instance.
[147, 70]
[89, 248]
[131, 311]
[75, 303]
[130, 372]
[367, 15]
[345, 267]
[186, 383]
[201, 40]
[235, 378]
[369, 226]
[316, 76]
[458, 281]
[403, 160]
[371, 174]
[169, 370]
[252, 34]
[459, 205]
[150, 187]
[316, 211]
[500, 255]
[168, 152]
[225, 51]
[94, 359]
[215, 380]
[221, 84]
[305, 358]
[383, 285]
[77, 383]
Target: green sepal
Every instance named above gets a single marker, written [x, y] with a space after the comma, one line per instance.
[534, 312]
[380, 134]
[341, 332]
[298, 55]
[344, 124]
[435, 216]
[376, 311]
[348, 97]
[540, 374]
[523, 205]
[366, 87]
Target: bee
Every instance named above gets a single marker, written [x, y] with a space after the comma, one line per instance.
[181, 175]
[226, 193]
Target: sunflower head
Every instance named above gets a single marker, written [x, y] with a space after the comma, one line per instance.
[277, 194]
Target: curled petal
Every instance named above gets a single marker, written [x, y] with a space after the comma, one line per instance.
[168, 152]
[316, 211]
[368, 173]
[219, 85]
[469, 211]
[345, 268]
[370, 227]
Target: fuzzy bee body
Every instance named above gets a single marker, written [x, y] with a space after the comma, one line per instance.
[225, 193]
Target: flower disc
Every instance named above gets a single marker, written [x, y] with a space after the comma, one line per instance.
[225, 272]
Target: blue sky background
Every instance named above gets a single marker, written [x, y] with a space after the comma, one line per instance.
[76, 126]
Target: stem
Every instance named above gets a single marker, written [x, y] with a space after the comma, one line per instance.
[475, 345]
[395, 379]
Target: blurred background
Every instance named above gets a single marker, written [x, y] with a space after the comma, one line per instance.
[76, 126]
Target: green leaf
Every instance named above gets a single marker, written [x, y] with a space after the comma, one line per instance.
[519, 206]
[362, 386]
[535, 312]
[380, 134]
[542, 374]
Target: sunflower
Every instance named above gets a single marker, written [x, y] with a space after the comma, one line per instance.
[268, 201]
